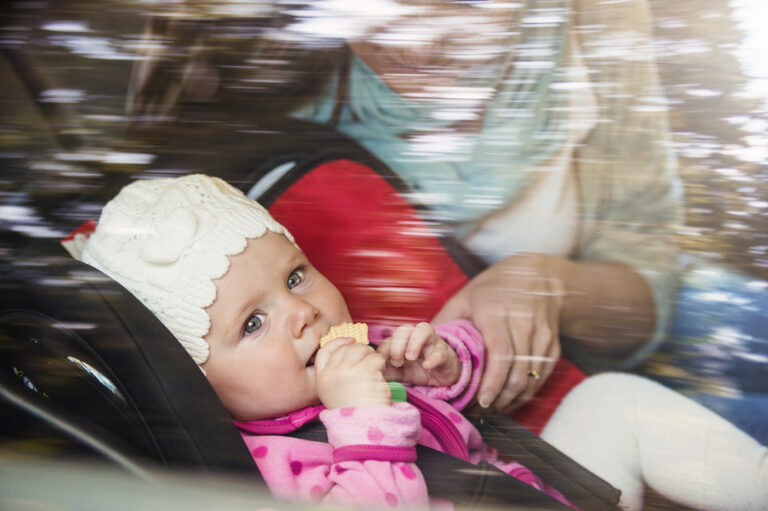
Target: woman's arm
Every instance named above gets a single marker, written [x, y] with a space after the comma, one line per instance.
[525, 304]
[607, 306]
[627, 168]
[611, 301]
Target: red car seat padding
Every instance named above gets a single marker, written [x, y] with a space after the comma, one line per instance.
[386, 259]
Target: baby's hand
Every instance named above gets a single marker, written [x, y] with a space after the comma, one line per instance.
[417, 355]
[350, 374]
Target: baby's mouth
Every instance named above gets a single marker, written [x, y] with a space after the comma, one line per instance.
[311, 361]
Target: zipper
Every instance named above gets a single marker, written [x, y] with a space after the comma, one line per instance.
[445, 431]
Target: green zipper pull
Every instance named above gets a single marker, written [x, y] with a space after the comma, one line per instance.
[399, 395]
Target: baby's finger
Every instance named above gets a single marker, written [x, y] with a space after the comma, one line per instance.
[440, 355]
[399, 342]
[390, 371]
[352, 354]
[330, 354]
[383, 349]
[374, 362]
[421, 333]
[434, 356]
[324, 354]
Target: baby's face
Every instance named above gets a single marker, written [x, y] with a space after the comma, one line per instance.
[271, 309]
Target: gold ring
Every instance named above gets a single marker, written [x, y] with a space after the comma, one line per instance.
[533, 373]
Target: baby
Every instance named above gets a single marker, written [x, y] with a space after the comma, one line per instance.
[250, 309]
[234, 288]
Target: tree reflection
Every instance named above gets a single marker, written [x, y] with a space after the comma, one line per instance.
[720, 132]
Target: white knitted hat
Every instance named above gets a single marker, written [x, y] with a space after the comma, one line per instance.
[166, 240]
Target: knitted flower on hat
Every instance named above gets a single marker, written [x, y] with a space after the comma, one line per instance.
[167, 240]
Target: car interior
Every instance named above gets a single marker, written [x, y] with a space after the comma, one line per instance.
[88, 373]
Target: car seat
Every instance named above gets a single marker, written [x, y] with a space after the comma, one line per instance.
[87, 365]
[87, 371]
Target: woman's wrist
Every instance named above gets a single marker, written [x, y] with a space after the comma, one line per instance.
[606, 304]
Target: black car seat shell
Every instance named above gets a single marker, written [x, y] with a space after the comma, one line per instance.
[86, 369]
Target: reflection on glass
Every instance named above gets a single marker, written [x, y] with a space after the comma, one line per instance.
[96, 96]
[98, 375]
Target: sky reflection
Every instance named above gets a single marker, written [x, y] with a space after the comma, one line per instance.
[751, 16]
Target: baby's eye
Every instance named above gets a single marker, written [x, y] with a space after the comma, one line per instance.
[253, 324]
[295, 278]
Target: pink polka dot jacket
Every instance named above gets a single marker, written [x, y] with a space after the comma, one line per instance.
[369, 457]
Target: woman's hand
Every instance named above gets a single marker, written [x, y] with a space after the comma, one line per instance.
[350, 374]
[417, 355]
[516, 305]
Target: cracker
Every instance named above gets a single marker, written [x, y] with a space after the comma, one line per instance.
[357, 331]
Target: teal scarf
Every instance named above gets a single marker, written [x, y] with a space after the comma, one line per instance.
[463, 175]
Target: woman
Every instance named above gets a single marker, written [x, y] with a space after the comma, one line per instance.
[536, 134]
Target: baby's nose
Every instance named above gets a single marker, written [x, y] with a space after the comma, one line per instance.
[305, 315]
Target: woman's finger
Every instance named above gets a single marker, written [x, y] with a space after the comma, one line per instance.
[540, 367]
[549, 346]
[520, 325]
[544, 335]
[500, 354]
[553, 349]
[553, 355]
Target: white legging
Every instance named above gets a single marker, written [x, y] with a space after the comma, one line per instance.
[630, 431]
